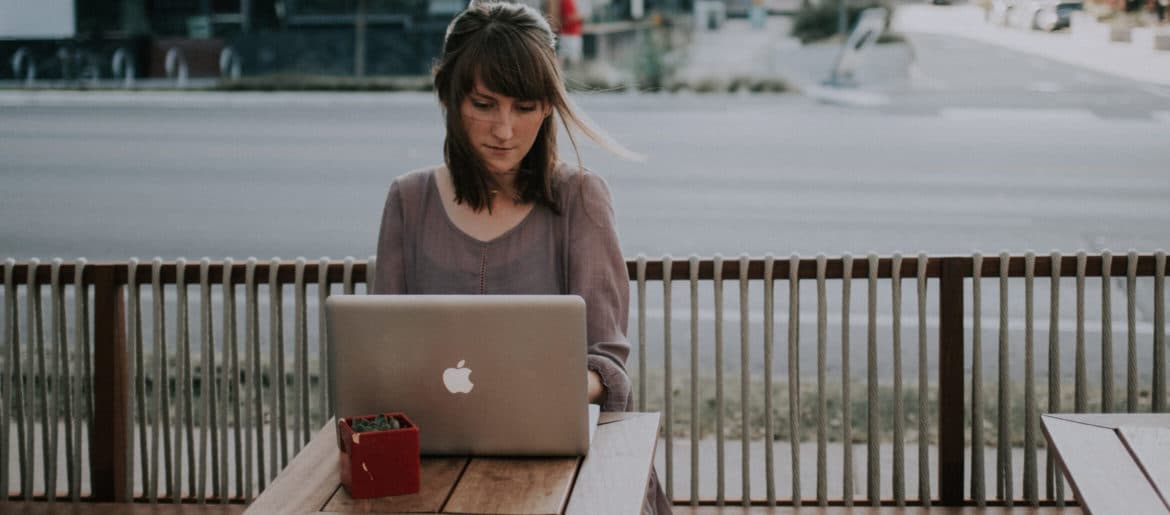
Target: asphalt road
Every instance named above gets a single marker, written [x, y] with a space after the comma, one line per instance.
[948, 170]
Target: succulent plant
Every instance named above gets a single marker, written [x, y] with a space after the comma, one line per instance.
[379, 423]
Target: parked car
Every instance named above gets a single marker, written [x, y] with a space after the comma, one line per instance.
[1051, 15]
[1045, 15]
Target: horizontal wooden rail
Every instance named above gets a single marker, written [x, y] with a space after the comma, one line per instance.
[679, 268]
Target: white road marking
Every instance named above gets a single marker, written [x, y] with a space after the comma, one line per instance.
[991, 113]
[1156, 90]
[1045, 87]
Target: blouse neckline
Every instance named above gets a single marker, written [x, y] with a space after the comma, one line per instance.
[433, 186]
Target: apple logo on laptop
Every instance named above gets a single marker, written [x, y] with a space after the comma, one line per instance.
[458, 380]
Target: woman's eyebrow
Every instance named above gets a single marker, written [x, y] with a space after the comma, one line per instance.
[483, 96]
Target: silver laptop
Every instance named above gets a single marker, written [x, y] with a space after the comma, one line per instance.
[478, 374]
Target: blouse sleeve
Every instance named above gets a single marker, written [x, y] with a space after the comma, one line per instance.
[390, 273]
[597, 272]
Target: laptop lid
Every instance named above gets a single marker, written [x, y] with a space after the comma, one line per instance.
[479, 374]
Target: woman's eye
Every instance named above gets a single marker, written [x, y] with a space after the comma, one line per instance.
[525, 108]
[480, 105]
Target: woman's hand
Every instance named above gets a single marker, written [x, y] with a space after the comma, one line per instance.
[596, 390]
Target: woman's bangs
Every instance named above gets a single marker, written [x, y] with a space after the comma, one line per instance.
[509, 66]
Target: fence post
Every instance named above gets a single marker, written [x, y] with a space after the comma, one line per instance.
[110, 389]
[951, 375]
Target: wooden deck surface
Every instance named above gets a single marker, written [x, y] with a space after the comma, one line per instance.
[868, 510]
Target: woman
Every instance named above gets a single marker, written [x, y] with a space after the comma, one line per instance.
[503, 215]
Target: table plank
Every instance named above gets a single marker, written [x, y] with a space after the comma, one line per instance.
[1115, 420]
[1103, 474]
[307, 482]
[437, 478]
[612, 478]
[1150, 447]
[531, 486]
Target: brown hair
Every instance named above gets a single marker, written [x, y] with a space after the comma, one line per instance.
[510, 49]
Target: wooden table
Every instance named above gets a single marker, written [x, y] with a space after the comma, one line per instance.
[611, 479]
[1116, 463]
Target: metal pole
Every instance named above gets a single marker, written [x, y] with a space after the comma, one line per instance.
[842, 19]
[359, 44]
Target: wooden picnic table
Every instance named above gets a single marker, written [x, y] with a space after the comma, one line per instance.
[1116, 462]
[611, 479]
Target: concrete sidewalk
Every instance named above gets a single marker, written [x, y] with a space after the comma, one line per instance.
[1119, 59]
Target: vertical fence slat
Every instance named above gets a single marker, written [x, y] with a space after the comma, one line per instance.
[1080, 394]
[52, 380]
[769, 349]
[1158, 386]
[744, 380]
[322, 344]
[158, 383]
[1055, 486]
[641, 276]
[1106, 333]
[923, 389]
[184, 398]
[276, 343]
[1131, 370]
[668, 386]
[822, 400]
[64, 380]
[899, 408]
[1003, 444]
[347, 276]
[170, 469]
[188, 380]
[11, 376]
[206, 385]
[223, 388]
[244, 392]
[873, 420]
[36, 344]
[793, 372]
[846, 381]
[163, 387]
[301, 426]
[138, 372]
[256, 399]
[720, 477]
[371, 271]
[1030, 414]
[78, 387]
[978, 470]
[22, 375]
[231, 364]
[694, 276]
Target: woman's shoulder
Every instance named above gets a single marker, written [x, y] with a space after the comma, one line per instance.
[413, 182]
[572, 180]
[583, 191]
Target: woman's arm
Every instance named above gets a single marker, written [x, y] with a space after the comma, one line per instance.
[597, 272]
[389, 273]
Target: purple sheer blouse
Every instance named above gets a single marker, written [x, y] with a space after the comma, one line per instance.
[421, 251]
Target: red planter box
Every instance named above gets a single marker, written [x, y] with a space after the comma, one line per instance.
[379, 463]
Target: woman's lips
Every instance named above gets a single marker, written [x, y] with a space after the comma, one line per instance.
[497, 150]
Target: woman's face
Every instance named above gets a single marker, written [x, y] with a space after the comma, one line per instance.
[502, 129]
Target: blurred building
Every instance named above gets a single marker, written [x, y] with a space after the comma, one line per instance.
[110, 38]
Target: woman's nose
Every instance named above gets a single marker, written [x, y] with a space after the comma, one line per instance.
[502, 129]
